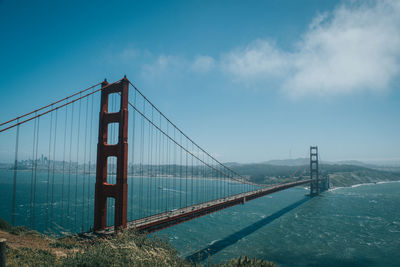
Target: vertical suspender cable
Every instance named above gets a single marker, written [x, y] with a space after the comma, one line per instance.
[159, 169]
[84, 165]
[172, 173]
[148, 181]
[165, 192]
[151, 161]
[141, 165]
[186, 176]
[15, 176]
[203, 178]
[69, 169]
[54, 165]
[206, 181]
[180, 174]
[192, 198]
[163, 173]
[63, 167]
[35, 171]
[133, 156]
[77, 165]
[90, 156]
[168, 171]
[196, 175]
[33, 168]
[48, 171]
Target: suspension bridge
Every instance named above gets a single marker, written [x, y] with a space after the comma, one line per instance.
[107, 158]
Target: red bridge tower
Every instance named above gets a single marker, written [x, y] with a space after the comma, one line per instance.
[103, 189]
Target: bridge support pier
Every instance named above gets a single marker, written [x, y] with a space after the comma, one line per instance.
[103, 189]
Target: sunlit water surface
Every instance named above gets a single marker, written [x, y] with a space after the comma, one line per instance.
[355, 226]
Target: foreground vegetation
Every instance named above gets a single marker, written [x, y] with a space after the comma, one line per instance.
[127, 248]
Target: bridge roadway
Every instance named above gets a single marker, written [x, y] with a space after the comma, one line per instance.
[166, 219]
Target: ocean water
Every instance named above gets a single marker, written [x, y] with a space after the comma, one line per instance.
[64, 202]
[355, 226]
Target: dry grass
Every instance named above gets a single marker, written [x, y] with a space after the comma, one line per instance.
[127, 248]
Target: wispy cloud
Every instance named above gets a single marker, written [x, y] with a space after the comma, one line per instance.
[356, 47]
[353, 48]
[165, 69]
[203, 64]
[259, 60]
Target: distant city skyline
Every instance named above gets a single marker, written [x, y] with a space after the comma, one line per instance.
[248, 81]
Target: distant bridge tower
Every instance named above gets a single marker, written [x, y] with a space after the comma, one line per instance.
[314, 173]
[104, 189]
[318, 183]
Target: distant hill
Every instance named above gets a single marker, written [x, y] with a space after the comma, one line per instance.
[379, 165]
[340, 174]
[289, 162]
[394, 166]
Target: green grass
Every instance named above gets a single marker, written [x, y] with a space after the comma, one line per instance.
[5, 226]
[245, 261]
[15, 230]
[126, 248]
[30, 257]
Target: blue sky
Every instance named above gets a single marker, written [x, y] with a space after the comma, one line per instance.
[249, 81]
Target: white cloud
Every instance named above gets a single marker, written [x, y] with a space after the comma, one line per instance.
[129, 53]
[164, 66]
[174, 68]
[203, 64]
[351, 49]
[260, 59]
[356, 47]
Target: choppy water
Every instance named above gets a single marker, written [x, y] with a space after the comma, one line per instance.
[64, 202]
[356, 226]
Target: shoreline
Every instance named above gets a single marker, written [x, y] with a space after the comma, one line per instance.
[362, 184]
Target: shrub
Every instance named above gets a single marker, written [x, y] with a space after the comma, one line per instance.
[30, 257]
[245, 261]
[126, 248]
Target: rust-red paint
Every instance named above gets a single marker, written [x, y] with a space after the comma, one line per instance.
[103, 189]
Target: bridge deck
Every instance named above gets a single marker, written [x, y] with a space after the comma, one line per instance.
[166, 219]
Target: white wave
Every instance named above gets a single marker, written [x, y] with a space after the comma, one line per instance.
[172, 190]
[358, 185]
[382, 182]
[335, 188]
[388, 182]
[362, 184]
[213, 242]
